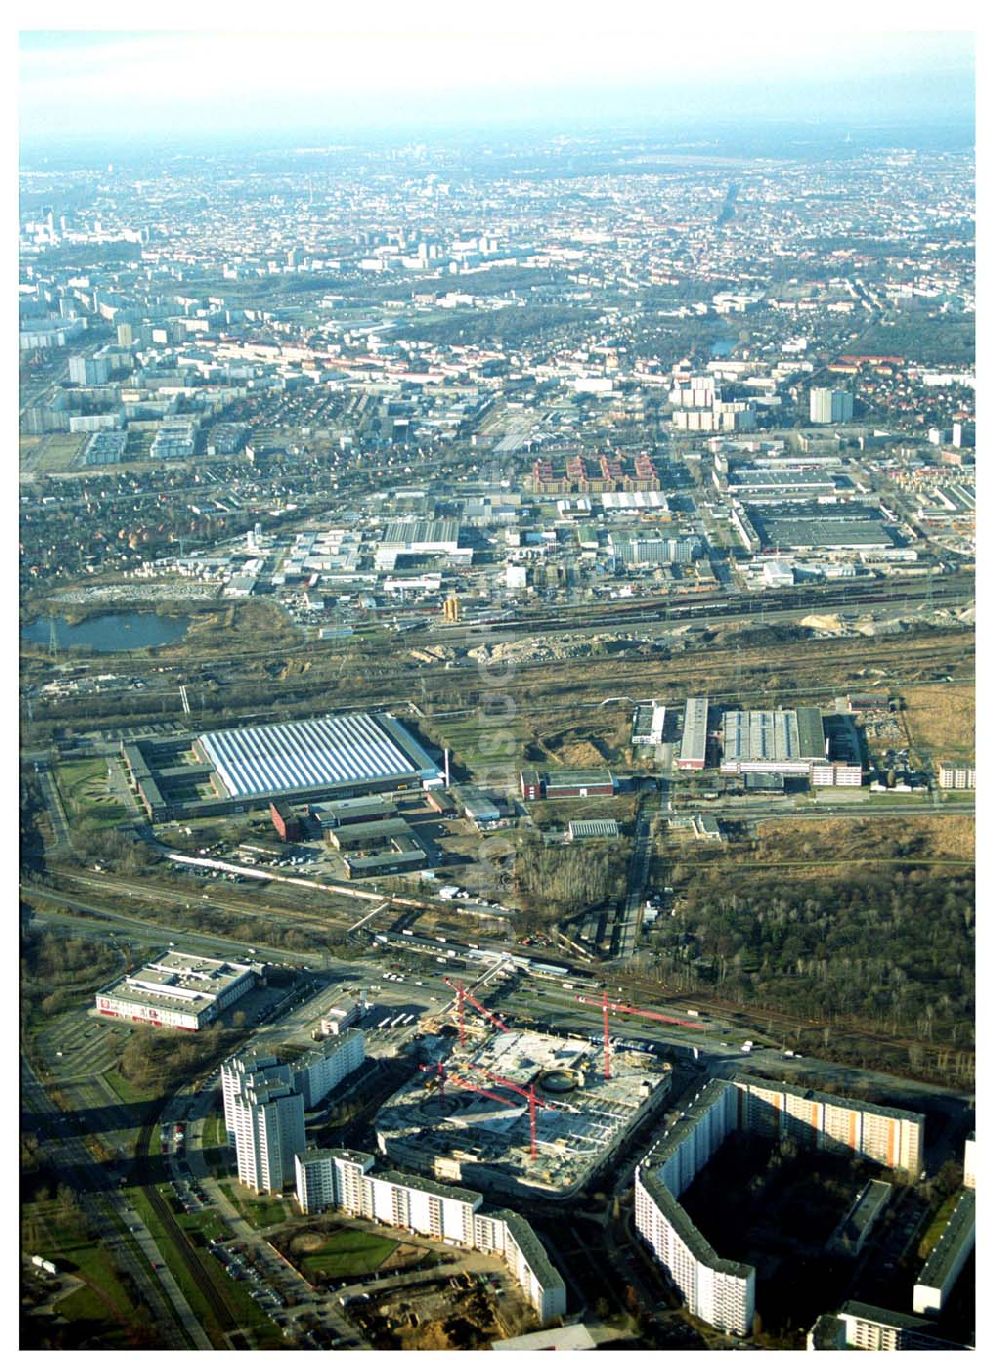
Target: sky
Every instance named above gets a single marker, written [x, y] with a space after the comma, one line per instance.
[421, 67]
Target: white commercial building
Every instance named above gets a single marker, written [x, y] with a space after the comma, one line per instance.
[694, 739]
[177, 990]
[788, 741]
[337, 1178]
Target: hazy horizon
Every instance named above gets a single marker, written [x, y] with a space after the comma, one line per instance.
[199, 88]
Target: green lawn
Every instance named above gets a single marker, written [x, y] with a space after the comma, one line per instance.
[937, 1226]
[103, 1299]
[84, 790]
[484, 744]
[245, 1313]
[262, 1211]
[125, 1090]
[346, 1252]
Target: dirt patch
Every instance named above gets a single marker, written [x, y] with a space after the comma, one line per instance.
[942, 720]
[948, 837]
[307, 1242]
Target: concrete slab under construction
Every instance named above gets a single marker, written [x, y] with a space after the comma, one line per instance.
[466, 1116]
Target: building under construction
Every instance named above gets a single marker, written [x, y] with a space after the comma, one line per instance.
[519, 1112]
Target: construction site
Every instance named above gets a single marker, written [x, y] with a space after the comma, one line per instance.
[517, 1111]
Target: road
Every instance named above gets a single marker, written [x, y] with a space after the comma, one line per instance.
[717, 1045]
[63, 845]
[127, 1241]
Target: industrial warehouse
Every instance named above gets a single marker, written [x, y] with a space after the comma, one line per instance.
[177, 990]
[527, 1113]
[237, 769]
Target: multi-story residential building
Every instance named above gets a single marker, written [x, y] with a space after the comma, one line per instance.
[717, 1290]
[828, 406]
[89, 371]
[866, 1328]
[954, 776]
[234, 1071]
[944, 1265]
[337, 1178]
[892, 1137]
[270, 1131]
[969, 1169]
[324, 1067]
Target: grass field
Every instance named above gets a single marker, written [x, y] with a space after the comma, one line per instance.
[245, 1312]
[262, 1213]
[942, 720]
[937, 1226]
[84, 790]
[484, 745]
[345, 1252]
[945, 837]
[102, 1302]
[58, 451]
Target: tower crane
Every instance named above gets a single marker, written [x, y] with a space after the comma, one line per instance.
[464, 995]
[607, 1006]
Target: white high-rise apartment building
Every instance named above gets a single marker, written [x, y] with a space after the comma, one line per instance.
[233, 1075]
[323, 1068]
[830, 406]
[270, 1128]
[718, 1290]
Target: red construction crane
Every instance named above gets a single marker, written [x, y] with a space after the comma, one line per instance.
[528, 1094]
[463, 1084]
[464, 995]
[606, 1006]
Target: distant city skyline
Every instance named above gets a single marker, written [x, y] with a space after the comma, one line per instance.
[149, 85]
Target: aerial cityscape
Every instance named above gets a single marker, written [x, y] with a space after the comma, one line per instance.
[496, 701]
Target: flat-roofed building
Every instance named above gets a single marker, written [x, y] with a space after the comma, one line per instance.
[476, 805]
[718, 1290]
[563, 785]
[177, 990]
[694, 738]
[853, 1230]
[956, 776]
[316, 758]
[405, 854]
[786, 741]
[355, 810]
[866, 1328]
[893, 1137]
[322, 1068]
[647, 723]
[237, 1069]
[336, 1178]
[416, 536]
[592, 828]
[269, 1128]
[944, 1265]
[378, 832]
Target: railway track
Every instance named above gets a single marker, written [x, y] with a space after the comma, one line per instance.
[721, 670]
[225, 1315]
